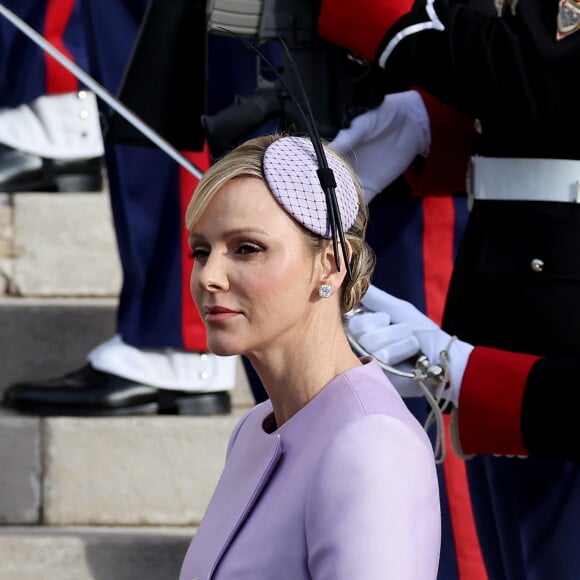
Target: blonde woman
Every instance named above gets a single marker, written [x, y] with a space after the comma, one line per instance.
[331, 478]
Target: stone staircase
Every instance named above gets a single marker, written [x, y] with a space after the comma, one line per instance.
[83, 498]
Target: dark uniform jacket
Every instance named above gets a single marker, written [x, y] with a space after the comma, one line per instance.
[515, 72]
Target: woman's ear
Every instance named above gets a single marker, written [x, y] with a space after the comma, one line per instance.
[330, 273]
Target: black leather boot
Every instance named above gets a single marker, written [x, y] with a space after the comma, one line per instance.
[89, 392]
[21, 171]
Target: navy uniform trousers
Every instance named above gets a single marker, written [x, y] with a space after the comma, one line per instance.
[149, 191]
[145, 184]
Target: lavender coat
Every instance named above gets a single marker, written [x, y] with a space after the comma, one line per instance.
[345, 489]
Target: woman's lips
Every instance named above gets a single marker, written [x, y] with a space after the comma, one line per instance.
[219, 313]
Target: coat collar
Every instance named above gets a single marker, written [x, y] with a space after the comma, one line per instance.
[235, 496]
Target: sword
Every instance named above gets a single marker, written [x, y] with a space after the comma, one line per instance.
[100, 91]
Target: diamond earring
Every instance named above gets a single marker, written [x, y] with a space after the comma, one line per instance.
[325, 291]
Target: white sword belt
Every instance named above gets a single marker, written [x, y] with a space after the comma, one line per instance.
[519, 179]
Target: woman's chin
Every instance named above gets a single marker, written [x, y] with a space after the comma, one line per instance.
[221, 349]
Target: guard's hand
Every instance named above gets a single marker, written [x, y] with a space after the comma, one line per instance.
[381, 143]
[432, 341]
[391, 343]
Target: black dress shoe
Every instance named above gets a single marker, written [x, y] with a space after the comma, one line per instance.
[89, 392]
[21, 171]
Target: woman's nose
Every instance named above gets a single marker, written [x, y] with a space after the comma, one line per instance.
[212, 273]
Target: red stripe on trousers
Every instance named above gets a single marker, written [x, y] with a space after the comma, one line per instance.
[438, 234]
[58, 79]
[192, 328]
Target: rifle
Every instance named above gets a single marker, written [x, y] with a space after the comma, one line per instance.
[339, 85]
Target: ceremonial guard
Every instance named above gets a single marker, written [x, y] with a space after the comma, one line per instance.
[158, 359]
[516, 279]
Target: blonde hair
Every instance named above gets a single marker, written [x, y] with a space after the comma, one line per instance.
[246, 161]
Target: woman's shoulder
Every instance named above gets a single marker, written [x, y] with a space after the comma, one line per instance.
[382, 457]
[379, 436]
[373, 500]
[374, 394]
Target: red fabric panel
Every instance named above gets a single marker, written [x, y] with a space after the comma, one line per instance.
[360, 26]
[452, 143]
[470, 563]
[58, 79]
[490, 402]
[438, 234]
[192, 328]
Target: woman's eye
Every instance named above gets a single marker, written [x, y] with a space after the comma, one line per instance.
[248, 248]
[198, 253]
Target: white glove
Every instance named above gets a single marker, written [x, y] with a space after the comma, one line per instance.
[432, 341]
[392, 344]
[381, 143]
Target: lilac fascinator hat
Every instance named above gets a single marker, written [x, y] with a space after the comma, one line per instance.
[290, 167]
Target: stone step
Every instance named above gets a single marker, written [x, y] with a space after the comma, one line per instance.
[58, 245]
[59, 277]
[30, 553]
[129, 471]
[47, 337]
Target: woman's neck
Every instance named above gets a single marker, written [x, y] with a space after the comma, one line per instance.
[294, 374]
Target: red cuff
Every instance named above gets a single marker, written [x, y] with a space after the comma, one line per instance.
[490, 402]
[360, 25]
[452, 143]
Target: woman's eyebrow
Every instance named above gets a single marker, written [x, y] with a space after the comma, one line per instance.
[233, 232]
